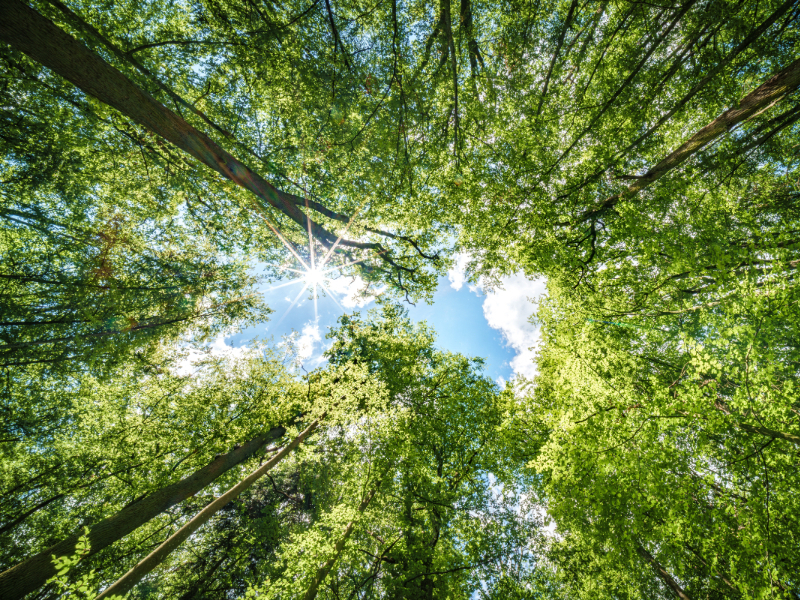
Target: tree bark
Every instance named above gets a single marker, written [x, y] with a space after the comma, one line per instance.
[326, 567]
[155, 558]
[11, 524]
[32, 573]
[608, 103]
[662, 573]
[76, 21]
[29, 32]
[743, 45]
[770, 433]
[757, 101]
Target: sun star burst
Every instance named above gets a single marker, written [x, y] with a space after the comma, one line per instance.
[313, 273]
[314, 277]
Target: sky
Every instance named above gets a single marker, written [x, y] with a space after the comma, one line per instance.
[489, 323]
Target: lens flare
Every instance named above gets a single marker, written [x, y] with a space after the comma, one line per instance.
[314, 277]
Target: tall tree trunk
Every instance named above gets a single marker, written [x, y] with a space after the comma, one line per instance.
[326, 567]
[662, 573]
[756, 102]
[31, 574]
[76, 21]
[28, 31]
[743, 45]
[155, 558]
[564, 29]
[770, 433]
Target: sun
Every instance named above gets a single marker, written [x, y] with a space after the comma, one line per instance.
[314, 273]
[314, 277]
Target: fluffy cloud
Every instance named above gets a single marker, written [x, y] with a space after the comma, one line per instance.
[456, 274]
[508, 308]
[309, 337]
[304, 347]
[188, 364]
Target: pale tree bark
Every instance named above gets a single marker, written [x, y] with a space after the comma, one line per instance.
[756, 102]
[770, 433]
[326, 567]
[743, 45]
[29, 32]
[155, 558]
[716, 70]
[564, 29]
[31, 574]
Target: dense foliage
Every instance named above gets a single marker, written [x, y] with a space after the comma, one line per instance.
[160, 158]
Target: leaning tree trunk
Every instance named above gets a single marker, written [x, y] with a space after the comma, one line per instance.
[662, 573]
[756, 102]
[31, 574]
[780, 435]
[155, 558]
[28, 31]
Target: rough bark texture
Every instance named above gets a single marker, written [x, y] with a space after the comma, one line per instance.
[28, 31]
[31, 574]
[132, 577]
[662, 573]
[743, 45]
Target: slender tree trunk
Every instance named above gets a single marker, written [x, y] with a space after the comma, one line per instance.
[28, 31]
[326, 567]
[718, 574]
[31, 574]
[195, 591]
[662, 573]
[608, 103]
[564, 29]
[752, 37]
[155, 558]
[756, 102]
[770, 433]
[11, 524]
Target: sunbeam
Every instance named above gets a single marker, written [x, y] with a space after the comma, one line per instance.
[346, 229]
[283, 285]
[291, 306]
[332, 297]
[313, 273]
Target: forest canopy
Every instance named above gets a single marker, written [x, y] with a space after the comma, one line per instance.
[162, 160]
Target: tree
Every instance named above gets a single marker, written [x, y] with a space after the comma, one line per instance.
[342, 394]
[584, 174]
[642, 157]
[670, 447]
[84, 469]
[353, 506]
[41, 39]
[95, 266]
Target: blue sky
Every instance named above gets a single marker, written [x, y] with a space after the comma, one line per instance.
[489, 323]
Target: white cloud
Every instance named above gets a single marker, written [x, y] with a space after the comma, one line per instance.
[305, 347]
[508, 309]
[351, 288]
[308, 338]
[457, 273]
